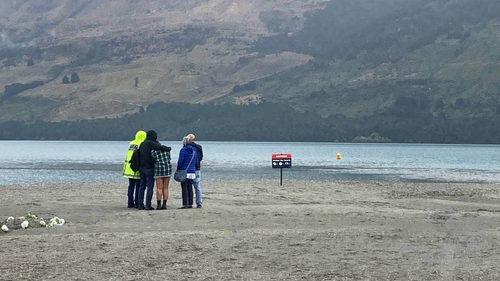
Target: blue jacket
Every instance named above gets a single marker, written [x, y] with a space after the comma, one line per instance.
[184, 158]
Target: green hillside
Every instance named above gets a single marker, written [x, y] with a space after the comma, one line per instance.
[368, 54]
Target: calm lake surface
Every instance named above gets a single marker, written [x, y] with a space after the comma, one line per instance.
[74, 161]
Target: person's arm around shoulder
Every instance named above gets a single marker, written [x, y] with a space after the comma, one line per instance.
[158, 146]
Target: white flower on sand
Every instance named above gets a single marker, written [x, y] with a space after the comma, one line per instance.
[55, 221]
[25, 224]
[5, 228]
[43, 224]
[31, 216]
[9, 219]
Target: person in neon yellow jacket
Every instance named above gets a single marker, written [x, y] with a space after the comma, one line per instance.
[134, 178]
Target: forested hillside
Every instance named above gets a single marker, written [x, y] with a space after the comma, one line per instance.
[264, 122]
[372, 55]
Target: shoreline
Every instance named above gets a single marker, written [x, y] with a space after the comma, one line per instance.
[251, 230]
[270, 142]
[123, 181]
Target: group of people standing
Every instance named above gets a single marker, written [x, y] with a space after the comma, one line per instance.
[155, 167]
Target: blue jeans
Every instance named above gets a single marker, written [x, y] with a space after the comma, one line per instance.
[133, 189]
[197, 188]
[147, 180]
[187, 192]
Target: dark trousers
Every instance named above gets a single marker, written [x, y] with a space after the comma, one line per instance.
[147, 180]
[187, 192]
[133, 189]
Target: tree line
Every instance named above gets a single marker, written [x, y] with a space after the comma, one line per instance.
[265, 122]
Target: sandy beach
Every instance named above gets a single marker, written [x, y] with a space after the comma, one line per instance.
[257, 230]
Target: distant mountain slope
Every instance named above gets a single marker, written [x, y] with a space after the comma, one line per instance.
[130, 54]
[391, 61]
[369, 54]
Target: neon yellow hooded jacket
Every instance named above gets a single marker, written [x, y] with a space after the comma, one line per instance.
[133, 145]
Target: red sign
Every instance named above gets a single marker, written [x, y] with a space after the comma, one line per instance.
[282, 160]
[282, 156]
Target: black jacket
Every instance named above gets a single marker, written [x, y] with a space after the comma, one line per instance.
[199, 150]
[147, 161]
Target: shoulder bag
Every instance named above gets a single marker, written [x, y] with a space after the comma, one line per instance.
[181, 175]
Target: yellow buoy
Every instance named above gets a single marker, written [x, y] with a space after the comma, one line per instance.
[339, 156]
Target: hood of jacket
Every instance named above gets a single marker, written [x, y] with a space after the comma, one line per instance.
[151, 135]
[140, 137]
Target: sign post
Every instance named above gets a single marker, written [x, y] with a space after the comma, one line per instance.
[281, 161]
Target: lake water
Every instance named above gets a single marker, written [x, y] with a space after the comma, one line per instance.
[65, 161]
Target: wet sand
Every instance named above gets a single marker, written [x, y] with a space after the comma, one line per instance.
[256, 230]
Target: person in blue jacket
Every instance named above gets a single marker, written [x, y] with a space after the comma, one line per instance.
[187, 161]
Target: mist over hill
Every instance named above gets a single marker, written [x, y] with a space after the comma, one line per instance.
[400, 68]
[369, 54]
[130, 54]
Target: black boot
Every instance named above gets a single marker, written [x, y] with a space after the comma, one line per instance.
[158, 204]
[164, 206]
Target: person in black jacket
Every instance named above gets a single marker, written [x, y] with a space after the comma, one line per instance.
[196, 181]
[147, 168]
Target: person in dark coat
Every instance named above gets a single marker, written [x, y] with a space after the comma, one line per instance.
[147, 167]
[187, 161]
